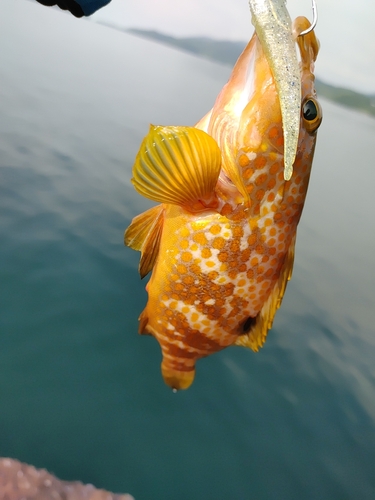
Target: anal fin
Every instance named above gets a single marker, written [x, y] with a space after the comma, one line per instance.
[144, 235]
[256, 337]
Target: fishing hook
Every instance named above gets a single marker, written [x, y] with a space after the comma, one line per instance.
[315, 20]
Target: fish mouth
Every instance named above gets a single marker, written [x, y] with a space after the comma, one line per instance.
[177, 379]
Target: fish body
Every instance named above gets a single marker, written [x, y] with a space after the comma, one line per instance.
[221, 243]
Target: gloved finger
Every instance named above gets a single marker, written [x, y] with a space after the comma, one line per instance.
[70, 5]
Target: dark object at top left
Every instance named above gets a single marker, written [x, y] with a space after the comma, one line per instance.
[70, 5]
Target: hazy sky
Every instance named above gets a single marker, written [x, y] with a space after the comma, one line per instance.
[345, 29]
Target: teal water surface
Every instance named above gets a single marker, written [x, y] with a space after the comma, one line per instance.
[80, 392]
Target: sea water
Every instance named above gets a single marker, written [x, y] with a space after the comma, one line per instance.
[80, 391]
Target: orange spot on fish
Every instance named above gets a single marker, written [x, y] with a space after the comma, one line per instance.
[227, 209]
[237, 232]
[184, 232]
[271, 196]
[268, 222]
[260, 194]
[260, 162]
[215, 229]
[235, 246]
[247, 174]
[200, 238]
[252, 239]
[232, 274]
[250, 274]
[222, 256]
[261, 179]
[274, 168]
[243, 160]
[273, 133]
[186, 256]
[206, 253]
[218, 243]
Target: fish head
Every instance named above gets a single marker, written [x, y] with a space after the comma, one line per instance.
[246, 120]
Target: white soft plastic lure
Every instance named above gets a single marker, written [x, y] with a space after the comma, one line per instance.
[274, 29]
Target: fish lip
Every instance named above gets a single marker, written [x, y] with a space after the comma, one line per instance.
[176, 379]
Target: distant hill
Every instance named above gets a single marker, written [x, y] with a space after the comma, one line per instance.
[227, 52]
[216, 50]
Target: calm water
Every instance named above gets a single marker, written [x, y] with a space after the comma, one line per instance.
[80, 392]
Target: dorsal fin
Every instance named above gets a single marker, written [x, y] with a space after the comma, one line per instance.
[177, 165]
[258, 332]
[144, 235]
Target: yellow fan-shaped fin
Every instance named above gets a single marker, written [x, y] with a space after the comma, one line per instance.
[177, 165]
[144, 234]
[258, 333]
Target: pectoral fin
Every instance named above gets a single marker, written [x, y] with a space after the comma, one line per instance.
[144, 235]
[177, 165]
[258, 332]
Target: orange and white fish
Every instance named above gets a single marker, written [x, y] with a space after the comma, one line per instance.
[220, 244]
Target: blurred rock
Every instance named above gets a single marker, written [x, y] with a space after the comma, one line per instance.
[20, 481]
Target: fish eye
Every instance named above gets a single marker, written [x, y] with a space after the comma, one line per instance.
[309, 110]
[312, 114]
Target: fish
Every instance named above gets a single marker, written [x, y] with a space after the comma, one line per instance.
[220, 243]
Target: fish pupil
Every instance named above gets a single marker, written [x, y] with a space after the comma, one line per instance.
[310, 111]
